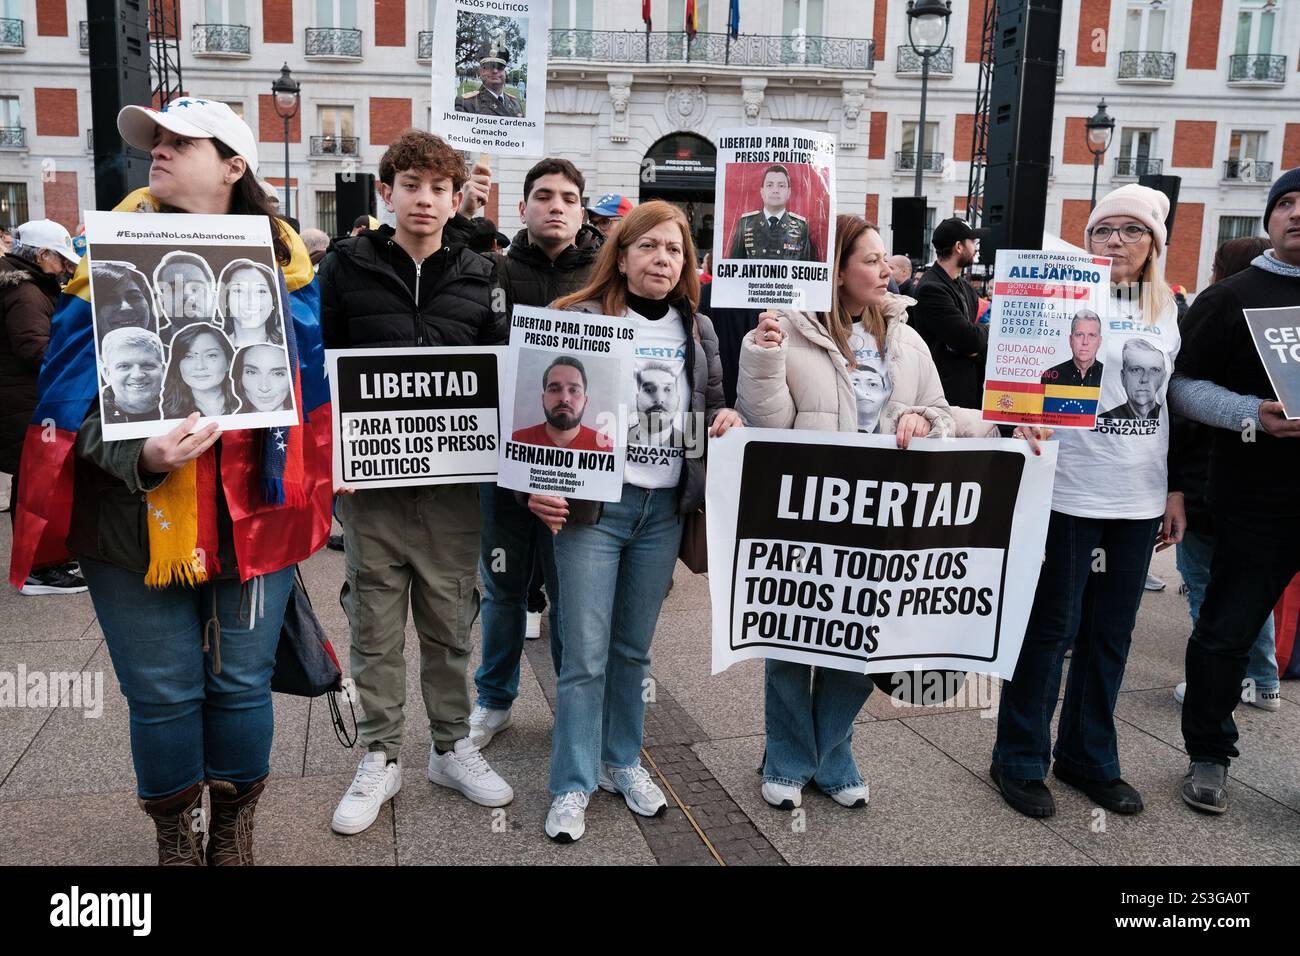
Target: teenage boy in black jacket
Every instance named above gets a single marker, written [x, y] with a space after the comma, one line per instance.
[946, 311]
[403, 287]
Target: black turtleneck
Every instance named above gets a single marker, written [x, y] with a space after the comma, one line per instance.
[653, 309]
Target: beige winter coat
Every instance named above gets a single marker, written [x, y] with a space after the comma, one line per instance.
[804, 382]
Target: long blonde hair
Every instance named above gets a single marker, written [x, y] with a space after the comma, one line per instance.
[839, 324]
[609, 286]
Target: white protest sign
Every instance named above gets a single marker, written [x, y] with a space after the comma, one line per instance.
[841, 550]
[776, 236]
[414, 416]
[489, 75]
[566, 381]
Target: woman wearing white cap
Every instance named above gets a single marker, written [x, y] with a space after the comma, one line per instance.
[1110, 505]
[30, 277]
[163, 549]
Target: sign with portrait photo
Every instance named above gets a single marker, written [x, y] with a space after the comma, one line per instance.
[838, 549]
[189, 316]
[774, 245]
[489, 75]
[1045, 360]
[565, 382]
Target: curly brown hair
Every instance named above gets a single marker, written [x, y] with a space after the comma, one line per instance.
[416, 149]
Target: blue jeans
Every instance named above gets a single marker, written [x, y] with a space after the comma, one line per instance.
[513, 540]
[1194, 557]
[1088, 594]
[188, 723]
[613, 578]
[808, 714]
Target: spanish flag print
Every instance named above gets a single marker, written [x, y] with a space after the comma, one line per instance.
[1013, 401]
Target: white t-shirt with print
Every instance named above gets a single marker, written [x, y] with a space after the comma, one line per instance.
[871, 384]
[658, 399]
[1120, 468]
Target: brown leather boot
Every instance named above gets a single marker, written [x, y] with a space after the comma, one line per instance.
[180, 830]
[230, 835]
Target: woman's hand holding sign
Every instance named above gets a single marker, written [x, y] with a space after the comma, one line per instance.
[552, 511]
[768, 335]
[727, 418]
[912, 425]
[164, 454]
[1032, 434]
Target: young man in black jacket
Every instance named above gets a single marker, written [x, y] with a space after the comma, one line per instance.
[404, 287]
[946, 311]
[1253, 502]
[550, 257]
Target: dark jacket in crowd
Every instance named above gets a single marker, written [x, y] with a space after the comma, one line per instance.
[731, 327]
[374, 296]
[944, 315]
[1254, 476]
[27, 298]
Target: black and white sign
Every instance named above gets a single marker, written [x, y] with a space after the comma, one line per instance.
[840, 550]
[417, 416]
[1277, 337]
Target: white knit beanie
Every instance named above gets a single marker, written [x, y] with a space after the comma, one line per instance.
[1148, 206]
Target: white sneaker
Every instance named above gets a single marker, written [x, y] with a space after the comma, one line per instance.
[373, 786]
[781, 796]
[485, 724]
[1264, 700]
[639, 791]
[533, 629]
[463, 768]
[1180, 691]
[566, 820]
[853, 797]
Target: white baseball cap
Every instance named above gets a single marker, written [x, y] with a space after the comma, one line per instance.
[47, 234]
[193, 117]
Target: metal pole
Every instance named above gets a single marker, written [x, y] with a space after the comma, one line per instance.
[920, 131]
[288, 205]
[1096, 163]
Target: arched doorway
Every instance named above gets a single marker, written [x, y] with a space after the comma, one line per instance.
[682, 169]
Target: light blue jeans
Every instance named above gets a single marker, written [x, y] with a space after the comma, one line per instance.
[808, 713]
[613, 577]
[1194, 556]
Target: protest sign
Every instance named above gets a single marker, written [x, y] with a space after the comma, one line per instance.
[414, 416]
[777, 236]
[1276, 333]
[189, 316]
[1045, 333]
[566, 379]
[841, 550]
[489, 75]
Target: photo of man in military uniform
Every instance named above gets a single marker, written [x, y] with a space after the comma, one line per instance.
[773, 232]
[491, 98]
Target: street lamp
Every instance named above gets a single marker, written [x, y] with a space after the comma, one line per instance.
[927, 29]
[1100, 127]
[286, 94]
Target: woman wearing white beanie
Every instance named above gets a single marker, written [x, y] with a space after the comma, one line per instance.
[1110, 505]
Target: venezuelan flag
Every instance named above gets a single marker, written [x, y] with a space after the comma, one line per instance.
[267, 537]
[1013, 401]
[1070, 405]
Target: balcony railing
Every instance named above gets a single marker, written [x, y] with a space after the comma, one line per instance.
[336, 43]
[340, 146]
[1147, 65]
[220, 39]
[424, 46]
[90, 140]
[13, 137]
[746, 50]
[905, 161]
[11, 34]
[83, 36]
[1060, 63]
[909, 62]
[1134, 166]
[1256, 68]
[1248, 171]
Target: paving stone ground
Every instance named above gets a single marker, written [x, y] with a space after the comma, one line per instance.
[67, 784]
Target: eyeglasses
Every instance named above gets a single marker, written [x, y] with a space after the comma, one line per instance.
[1130, 233]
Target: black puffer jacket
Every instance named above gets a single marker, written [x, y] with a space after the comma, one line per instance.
[374, 296]
[27, 297]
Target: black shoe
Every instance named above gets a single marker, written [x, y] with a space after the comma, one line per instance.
[54, 581]
[1030, 797]
[335, 543]
[1115, 795]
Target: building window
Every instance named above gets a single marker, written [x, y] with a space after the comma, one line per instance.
[1256, 26]
[13, 204]
[1246, 144]
[10, 114]
[225, 11]
[931, 137]
[336, 13]
[326, 213]
[1135, 149]
[1237, 227]
[430, 13]
[335, 121]
[578, 14]
[927, 250]
[1144, 25]
[806, 17]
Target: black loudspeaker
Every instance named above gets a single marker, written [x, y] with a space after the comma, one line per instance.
[354, 195]
[1169, 186]
[1021, 99]
[909, 227]
[119, 76]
